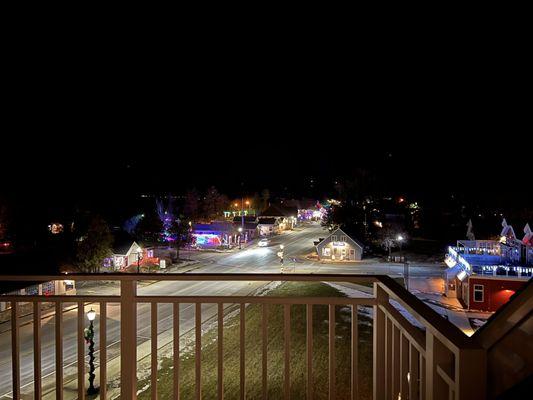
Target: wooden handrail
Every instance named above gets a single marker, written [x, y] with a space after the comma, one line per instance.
[447, 332]
[428, 347]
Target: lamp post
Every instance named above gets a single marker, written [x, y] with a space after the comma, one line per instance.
[139, 258]
[240, 237]
[400, 240]
[89, 337]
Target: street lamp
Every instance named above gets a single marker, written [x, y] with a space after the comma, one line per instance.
[139, 258]
[240, 237]
[400, 240]
[89, 337]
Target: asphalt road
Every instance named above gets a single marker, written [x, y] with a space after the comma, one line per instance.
[253, 259]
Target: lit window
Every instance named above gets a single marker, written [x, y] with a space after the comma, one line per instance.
[478, 293]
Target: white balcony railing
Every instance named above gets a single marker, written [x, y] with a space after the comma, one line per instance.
[435, 362]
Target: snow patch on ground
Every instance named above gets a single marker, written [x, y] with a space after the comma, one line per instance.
[349, 292]
[412, 320]
[477, 322]
[368, 311]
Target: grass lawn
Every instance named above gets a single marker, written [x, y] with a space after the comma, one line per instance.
[275, 352]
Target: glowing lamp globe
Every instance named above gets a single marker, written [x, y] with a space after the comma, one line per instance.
[91, 315]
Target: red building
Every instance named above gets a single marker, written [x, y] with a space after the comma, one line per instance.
[488, 293]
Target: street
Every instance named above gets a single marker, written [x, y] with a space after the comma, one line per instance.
[253, 259]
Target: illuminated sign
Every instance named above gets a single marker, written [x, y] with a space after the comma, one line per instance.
[207, 239]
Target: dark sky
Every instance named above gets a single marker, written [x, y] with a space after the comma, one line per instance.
[101, 130]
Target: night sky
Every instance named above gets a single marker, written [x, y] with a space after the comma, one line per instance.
[115, 134]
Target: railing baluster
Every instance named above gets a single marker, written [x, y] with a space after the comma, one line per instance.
[59, 350]
[15, 350]
[103, 350]
[287, 355]
[309, 350]
[404, 366]
[128, 340]
[355, 353]
[220, 344]
[388, 358]
[395, 361]
[422, 377]
[153, 345]
[379, 344]
[414, 373]
[331, 366]
[242, 370]
[81, 351]
[176, 349]
[264, 344]
[37, 350]
[198, 351]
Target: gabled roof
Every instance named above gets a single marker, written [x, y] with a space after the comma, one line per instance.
[266, 221]
[507, 230]
[215, 227]
[528, 236]
[122, 243]
[340, 232]
[124, 250]
[247, 218]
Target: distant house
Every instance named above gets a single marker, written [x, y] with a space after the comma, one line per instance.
[339, 246]
[125, 253]
[484, 274]
[308, 209]
[268, 226]
[286, 217]
[249, 226]
[219, 233]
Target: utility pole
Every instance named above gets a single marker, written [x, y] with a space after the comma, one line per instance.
[242, 216]
[139, 258]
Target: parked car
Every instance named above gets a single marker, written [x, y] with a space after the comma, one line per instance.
[263, 242]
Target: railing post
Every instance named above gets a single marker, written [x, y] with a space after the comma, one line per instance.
[431, 367]
[437, 355]
[128, 340]
[471, 366]
[379, 343]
